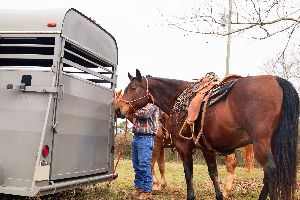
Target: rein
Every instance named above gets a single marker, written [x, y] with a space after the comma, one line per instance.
[148, 95]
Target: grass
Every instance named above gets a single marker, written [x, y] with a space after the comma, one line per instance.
[246, 186]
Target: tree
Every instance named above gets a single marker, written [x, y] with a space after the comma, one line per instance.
[287, 66]
[260, 19]
[246, 15]
[122, 127]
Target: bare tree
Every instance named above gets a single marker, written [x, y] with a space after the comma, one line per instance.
[260, 18]
[287, 66]
[246, 15]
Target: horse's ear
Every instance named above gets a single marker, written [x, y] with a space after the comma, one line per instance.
[129, 76]
[138, 75]
[119, 93]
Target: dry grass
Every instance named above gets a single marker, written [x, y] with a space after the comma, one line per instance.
[246, 186]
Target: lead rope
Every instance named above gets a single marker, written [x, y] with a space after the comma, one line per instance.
[148, 92]
[120, 153]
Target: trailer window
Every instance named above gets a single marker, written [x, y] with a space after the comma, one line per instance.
[26, 51]
[79, 62]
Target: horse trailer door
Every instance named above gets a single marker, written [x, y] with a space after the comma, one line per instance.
[83, 131]
[26, 116]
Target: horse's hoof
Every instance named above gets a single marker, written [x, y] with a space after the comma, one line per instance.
[156, 189]
[163, 186]
[192, 198]
[155, 182]
[220, 197]
[154, 192]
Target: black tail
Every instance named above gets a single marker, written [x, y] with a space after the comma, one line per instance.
[284, 142]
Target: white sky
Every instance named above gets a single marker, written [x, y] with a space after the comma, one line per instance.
[158, 50]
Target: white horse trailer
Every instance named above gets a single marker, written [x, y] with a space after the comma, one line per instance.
[57, 81]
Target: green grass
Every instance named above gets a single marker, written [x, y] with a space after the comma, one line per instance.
[246, 186]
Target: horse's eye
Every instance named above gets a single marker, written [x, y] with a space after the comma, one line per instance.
[133, 88]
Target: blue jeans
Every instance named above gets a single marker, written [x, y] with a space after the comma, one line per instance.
[142, 147]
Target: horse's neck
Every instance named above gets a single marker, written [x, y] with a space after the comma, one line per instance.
[166, 91]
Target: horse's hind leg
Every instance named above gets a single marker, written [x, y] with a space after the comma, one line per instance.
[248, 157]
[264, 191]
[230, 162]
[264, 156]
[211, 162]
[155, 155]
[162, 168]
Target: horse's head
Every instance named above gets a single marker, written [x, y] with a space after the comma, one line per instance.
[118, 95]
[136, 94]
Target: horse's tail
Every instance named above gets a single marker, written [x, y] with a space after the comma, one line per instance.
[284, 142]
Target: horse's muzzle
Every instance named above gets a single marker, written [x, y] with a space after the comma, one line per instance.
[119, 114]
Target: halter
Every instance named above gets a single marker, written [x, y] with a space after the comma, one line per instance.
[148, 95]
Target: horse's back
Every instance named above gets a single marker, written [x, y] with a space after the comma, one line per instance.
[256, 95]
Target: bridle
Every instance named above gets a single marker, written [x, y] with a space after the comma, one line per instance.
[147, 95]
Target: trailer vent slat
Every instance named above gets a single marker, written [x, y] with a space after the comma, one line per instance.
[32, 51]
[81, 63]
[28, 40]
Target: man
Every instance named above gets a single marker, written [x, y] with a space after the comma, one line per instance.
[144, 128]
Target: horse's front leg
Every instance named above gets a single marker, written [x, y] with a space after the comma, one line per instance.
[184, 149]
[211, 162]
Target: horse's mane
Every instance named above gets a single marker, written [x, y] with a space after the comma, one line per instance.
[167, 90]
[171, 81]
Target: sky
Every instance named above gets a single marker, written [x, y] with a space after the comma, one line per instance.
[146, 43]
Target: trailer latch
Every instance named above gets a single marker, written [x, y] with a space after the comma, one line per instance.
[24, 88]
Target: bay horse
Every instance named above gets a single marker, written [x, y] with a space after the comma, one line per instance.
[259, 110]
[163, 140]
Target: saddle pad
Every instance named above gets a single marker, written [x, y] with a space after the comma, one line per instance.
[221, 92]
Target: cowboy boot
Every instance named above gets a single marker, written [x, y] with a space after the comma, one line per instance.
[145, 196]
[136, 193]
